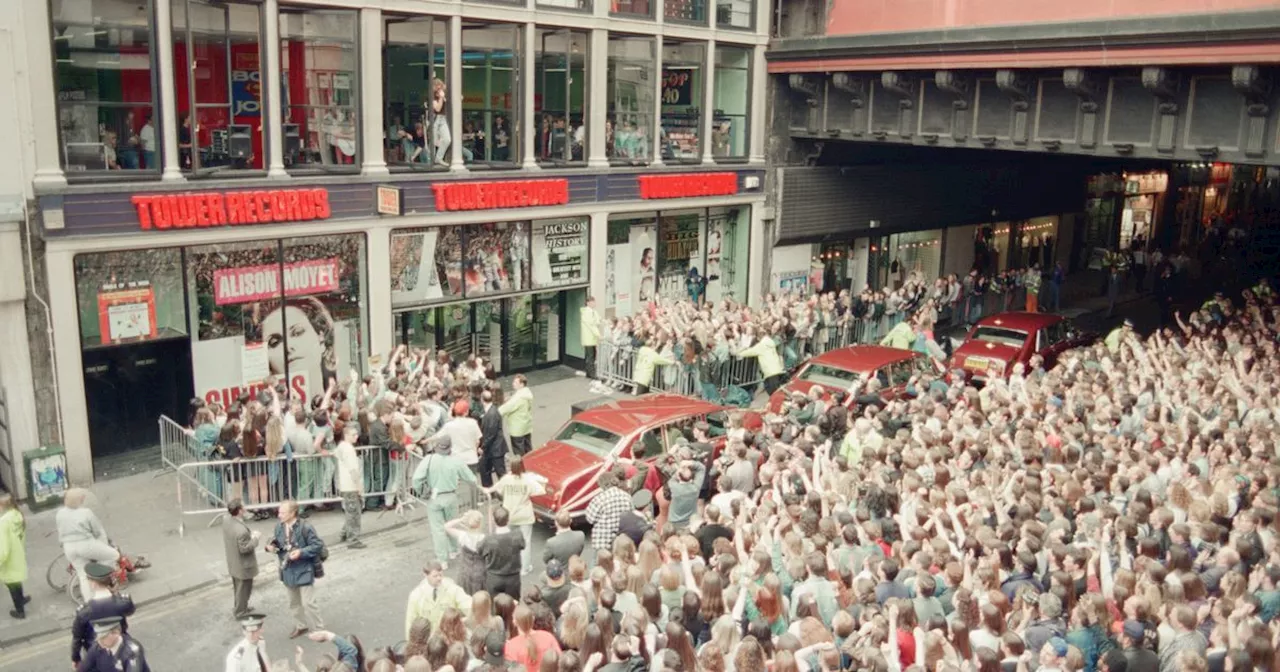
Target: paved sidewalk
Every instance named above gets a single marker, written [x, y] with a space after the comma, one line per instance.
[141, 515]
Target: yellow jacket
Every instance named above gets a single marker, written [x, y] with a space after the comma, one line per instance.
[766, 353]
[646, 359]
[590, 320]
[13, 548]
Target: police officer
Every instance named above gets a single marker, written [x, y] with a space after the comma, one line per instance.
[113, 651]
[249, 654]
[100, 603]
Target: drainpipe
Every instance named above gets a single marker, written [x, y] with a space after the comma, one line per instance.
[48, 321]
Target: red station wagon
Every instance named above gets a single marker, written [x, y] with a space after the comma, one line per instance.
[837, 370]
[640, 429]
[998, 341]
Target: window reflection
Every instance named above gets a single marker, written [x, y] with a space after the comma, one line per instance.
[685, 11]
[631, 7]
[220, 87]
[560, 83]
[729, 125]
[584, 5]
[489, 93]
[629, 125]
[102, 70]
[415, 76]
[735, 14]
[318, 71]
[682, 101]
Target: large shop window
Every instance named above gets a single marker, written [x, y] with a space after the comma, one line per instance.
[560, 96]
[130, 297]
[102, 70]
[583, 5]
[415, 80]
[629, 126]
[736, 14]
[631, 8]
[292, 310]
[219, 91]
[697, 254]
[449, 263]
[490, 93]
[732, 100]
[318, 67]
[685, 11]
[682, 68]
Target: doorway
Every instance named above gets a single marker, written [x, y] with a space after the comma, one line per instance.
[128, 386]
[514, 334]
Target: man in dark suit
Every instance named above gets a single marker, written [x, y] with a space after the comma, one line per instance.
[100, 603]
[566, 543]
[501, 553]
[379, 469]
[113, 651]
[493, 444]
[240, 545]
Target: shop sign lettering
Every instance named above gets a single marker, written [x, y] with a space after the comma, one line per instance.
[688, 185]
[260, 283]
[508, 194]
[215, 208]
[229, 395]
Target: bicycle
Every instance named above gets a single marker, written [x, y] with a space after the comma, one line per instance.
[61, 575]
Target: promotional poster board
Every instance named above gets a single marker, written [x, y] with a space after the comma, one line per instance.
[560, 252]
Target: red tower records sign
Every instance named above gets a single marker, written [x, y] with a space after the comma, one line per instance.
[688, 185]
[505, 194]
[205, 209]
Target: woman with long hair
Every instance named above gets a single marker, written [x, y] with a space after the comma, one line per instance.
[678, 640]
[750, 656]
[649, 558]
[573, 622]
[594, 641]
[274, 449]
[529, 646]
[504, 607]
[481, 610]
[13, 554]
[251, 445]
[419, 633]
[452, 626]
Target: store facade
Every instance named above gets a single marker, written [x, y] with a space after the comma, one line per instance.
[214, 293]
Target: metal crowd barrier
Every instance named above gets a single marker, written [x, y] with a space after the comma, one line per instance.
[615, 366]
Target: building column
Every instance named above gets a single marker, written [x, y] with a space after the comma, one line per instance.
[757, 252]
[59, 266]
[598, 243]
[708, 102]
[756, 117]
[16, 376]
[373, 162]
[381, 324]
[43, 96]
[455, 95]
[528, 123]
[273, 89]
[597, 97]
[656, 140]
[169, 122]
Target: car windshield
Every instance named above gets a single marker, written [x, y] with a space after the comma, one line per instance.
[589, 438]
[829, 376]
[1000, 335]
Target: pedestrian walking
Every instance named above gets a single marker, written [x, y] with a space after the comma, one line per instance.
[517, 489]
[240, 545]
[437, 478]
[300, 552]
[113, 650]
[501, 552]
[589, 321]
[250, 653]
[434, 595]
[100, 602]
[493, 444]
[517, 413]
[350, 479]
[13, 554]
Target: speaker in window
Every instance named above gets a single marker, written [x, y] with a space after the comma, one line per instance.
[239, 141]
[292, 143]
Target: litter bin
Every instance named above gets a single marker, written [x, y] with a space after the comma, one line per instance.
[46, 471]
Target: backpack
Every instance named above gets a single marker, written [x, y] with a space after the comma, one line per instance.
[318, 567]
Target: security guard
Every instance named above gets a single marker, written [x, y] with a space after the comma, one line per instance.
[100, 603]
[113, 651]
[250, 653]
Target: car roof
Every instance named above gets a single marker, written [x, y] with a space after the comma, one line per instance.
[1028, 322]
[623, 416]
[862, 358]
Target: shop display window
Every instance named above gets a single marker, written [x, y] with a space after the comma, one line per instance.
[682, 82]
[219, 91]
[685, 11]
[415, 72]
[735, 14]
[582, 5]
[679, 253]
[319, 70]
[490, 93]
[130, 296]
[727, 247]
[729, 125]
[631, 8]
[629, 124]
[560, 96]
[105, 85]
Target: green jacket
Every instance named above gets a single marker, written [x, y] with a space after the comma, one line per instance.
[13, 551]
[766, 353]
[646, 359]
[518, 412]
[590, 326]
[1112, 340]
[901, 337]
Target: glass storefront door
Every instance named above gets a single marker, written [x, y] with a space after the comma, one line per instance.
[514, 334]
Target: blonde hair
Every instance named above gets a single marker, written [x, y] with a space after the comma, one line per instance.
[275, 436]
[74, 498]
[473, 519]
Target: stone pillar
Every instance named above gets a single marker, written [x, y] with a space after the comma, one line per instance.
[455, 94]
[599, 249]
[272, 89]
[756, 116]
[597, 97]
[708, 102]
[528, 123]
[373, 162]
[42, 95]
[381, 325]
[169, 122]
[656, 140]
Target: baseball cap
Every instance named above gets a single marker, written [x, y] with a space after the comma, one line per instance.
[555, 568]
[1134, 629]
[494, 644]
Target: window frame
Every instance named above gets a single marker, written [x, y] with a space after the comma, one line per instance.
[699, 96]
[725, 25]
[388, 19]
[514, 116]
[732, 158]
[569, 34]
[654, 110]
[356, 83]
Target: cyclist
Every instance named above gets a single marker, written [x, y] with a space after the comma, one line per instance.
[82, 536]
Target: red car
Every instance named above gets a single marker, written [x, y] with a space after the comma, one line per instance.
[640, 429]
[837, 370]
[997, 342]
